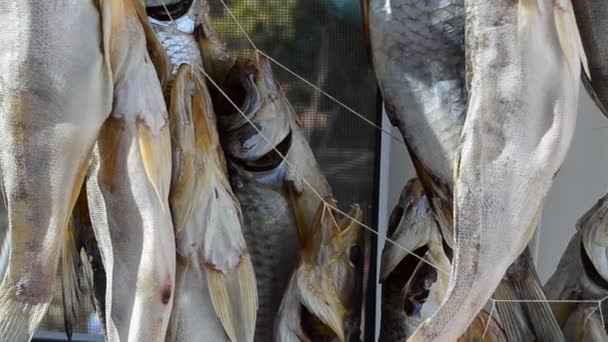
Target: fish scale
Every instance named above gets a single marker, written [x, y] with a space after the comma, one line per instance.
[273, 247]
[418, 45]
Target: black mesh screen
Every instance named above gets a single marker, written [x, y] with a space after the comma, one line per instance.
[321, 40]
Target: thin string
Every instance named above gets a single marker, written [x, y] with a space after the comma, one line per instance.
[307, 82]
[485, 330]
[168, 13]
[305, 181]
[327, 205]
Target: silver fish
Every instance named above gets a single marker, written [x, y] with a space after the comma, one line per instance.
[592, 18]
[55, 93]
[523, 63]
[417, 50]
[176, 34]
[323, 299]
[274, 199]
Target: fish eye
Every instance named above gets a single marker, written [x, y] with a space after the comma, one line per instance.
[270, 160]
[170, 11]
[354, 255]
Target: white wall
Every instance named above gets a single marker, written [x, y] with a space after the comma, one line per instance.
[582, 180]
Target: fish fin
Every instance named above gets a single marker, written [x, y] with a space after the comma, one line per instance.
[157, 53]
[235, 299]
[412, 230]
[218, 289]
[589, 88]
[184, 184]
[322, 302]
[70, 281]
[569, 36]
[525, 321]
[439, 195]
[231, 279]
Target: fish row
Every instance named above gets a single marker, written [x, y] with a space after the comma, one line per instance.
[172, 179]
[485, 95]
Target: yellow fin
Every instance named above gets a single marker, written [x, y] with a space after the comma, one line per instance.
[569, 35]
[249, 295]
[218, 290]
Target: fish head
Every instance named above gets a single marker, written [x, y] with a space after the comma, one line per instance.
[330, 274]
[255, 116]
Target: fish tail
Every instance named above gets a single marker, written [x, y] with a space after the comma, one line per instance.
[569, 38]
[181, 270]
[69, 281]
[235, 299]
[231, 278]
[464, 290]
[525, 321]
[16, 317]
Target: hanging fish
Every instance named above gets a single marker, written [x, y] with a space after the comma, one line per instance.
[323, 299]
[413, 289]
[216, 294]
[128, 185]
[581, 272]
[56, 91]
[524, 63]
[274, 198]
[592, 18]
[529, 317]
[417, 51]
[215, 275]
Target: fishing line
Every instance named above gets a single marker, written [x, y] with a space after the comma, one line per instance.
[394, 137]
[485, 330]
[305, 181]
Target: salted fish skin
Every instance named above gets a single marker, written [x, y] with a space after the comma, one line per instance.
[56, 90]
[128, 187]
[519, 126]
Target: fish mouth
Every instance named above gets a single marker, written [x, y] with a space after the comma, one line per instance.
[590, 271]
[170, 12]
[314, 328]
[244, 97]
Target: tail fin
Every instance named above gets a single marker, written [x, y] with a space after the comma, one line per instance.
[525, 321]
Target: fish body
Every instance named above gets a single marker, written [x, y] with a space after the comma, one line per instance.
[128, 186]
[592, 19]
[274, 199]
[55, 93]
[417, 49]
[323, 299]
[216, 281]
[518, 129]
